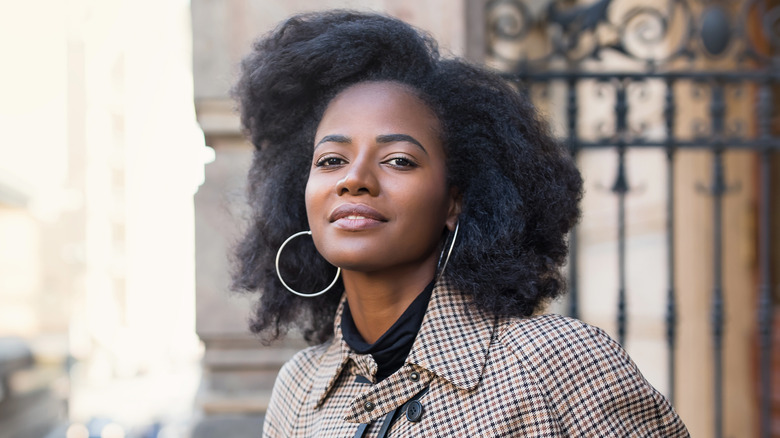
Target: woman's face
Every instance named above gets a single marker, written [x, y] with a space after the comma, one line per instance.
[377, 197]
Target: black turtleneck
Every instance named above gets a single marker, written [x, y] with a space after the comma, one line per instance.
[390, 350]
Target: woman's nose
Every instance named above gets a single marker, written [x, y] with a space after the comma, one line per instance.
[360, 178]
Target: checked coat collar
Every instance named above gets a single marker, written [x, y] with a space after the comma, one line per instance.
[451, 344]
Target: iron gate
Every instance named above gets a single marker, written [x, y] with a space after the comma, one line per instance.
[713, 51]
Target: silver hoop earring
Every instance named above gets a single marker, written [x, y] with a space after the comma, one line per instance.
[449, 252]
[278, 274]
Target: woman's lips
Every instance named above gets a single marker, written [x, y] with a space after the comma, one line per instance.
[356, 217]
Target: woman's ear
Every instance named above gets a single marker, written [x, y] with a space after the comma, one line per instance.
[454, 210]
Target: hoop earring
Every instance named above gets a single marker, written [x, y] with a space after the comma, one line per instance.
[278, 274]
[449, 252]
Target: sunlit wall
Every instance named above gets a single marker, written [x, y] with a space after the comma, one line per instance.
[99, 158]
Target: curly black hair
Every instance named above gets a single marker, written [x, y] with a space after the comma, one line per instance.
[520, 189]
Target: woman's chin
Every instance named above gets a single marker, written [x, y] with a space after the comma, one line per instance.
[359, 258]
[358, 265]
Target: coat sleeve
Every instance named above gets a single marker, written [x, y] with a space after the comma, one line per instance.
[594, 386]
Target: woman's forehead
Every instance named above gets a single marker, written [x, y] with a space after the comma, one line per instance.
[382, 105]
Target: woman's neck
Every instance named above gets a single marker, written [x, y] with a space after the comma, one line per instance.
[376, 301]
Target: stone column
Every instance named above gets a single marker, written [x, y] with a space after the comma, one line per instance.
[238, 372]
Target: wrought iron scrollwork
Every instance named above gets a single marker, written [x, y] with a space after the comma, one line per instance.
[654, 34]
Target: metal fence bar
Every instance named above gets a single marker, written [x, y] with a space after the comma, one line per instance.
[620, 188]
[705, 143]
[765, 310]
[717, 292]
[721, 76]
[717, 112]
[671, 305]
[571, 112]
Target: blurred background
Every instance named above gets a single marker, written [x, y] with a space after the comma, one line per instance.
[122, 168]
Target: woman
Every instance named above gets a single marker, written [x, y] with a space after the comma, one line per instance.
[438, 207]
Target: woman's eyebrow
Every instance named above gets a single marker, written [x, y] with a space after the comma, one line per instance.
[391, 138]
[333, 139]
[385, 138]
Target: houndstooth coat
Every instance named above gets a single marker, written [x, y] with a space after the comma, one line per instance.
[544, 376]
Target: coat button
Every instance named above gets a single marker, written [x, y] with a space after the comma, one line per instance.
[414, 411]
[368, 406]
[414, 376]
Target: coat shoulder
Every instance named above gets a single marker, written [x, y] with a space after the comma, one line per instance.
[303, 362]
[292, 384]
[594, 386]
[550, 334]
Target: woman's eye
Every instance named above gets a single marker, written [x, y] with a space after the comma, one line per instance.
[329, 161]
[401, 162]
